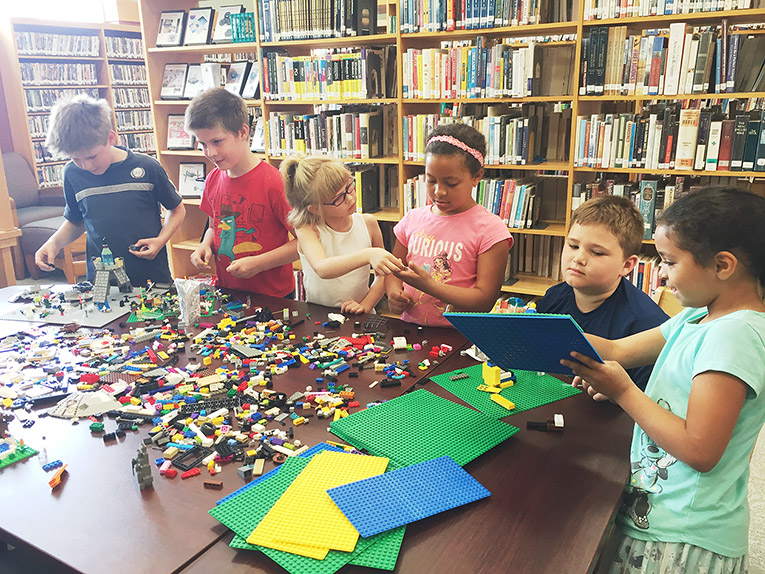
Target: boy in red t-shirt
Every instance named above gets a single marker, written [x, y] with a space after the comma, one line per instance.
[244, 199]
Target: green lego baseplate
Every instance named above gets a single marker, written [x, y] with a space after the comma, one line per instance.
[420, 426]
[244, 512]
[22, 451]
[529, 391]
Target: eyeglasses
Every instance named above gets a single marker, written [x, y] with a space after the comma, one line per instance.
[350, 189]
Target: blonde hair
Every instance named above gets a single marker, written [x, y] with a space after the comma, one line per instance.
[311, 181]
[217, 107]
[619, 215]
[77, 124]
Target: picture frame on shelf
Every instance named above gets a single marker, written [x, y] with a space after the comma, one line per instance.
[223, 29]
[171, 28]
[250, 90]
[194, 83]
[199, 26]
[211, 75]
[237, 73]
[191, 179]
[173, 81]
[177, 136]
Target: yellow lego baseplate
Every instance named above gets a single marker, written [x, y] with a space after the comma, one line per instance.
[304, 520]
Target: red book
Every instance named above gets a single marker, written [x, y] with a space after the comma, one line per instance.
[726, 141]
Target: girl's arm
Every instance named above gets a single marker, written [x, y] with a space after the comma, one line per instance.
[700, 439]
[325, 267]
[489, 275]
[633, 351]
[377, 289]
[398, 301]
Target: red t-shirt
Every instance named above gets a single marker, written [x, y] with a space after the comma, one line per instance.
[249, 217]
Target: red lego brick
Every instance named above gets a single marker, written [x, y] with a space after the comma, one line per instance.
[189, 473]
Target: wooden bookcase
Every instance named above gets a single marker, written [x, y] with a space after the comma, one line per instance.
[28, 124]
[553, 226]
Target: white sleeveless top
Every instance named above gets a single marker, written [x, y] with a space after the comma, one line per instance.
[353, 285]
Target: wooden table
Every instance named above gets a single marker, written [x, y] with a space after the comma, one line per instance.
[553, 499]
[99, 521]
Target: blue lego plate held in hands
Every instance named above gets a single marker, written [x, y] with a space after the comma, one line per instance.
[528, 342]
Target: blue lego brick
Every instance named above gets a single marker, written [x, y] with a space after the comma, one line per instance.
[534, 342]
[51, 465]
[411, 493]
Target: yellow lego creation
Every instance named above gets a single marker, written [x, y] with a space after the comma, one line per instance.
[488, 389]
[490, 375]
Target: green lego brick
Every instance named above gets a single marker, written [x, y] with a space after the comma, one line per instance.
[529, 391]
[22, 452]
[420, 426]
[244, 512]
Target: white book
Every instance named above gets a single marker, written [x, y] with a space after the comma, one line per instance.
[607, 133]
[427, 63]
[654, 155]
[514, 206]
[713, 148]
[686, 139]
[682, 80]
[691, 66]
[651, 140]
[674, 58]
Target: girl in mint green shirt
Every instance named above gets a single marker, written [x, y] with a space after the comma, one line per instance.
[684, 508]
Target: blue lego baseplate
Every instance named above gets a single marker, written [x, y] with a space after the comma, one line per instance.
[528, 342]
[405, 495]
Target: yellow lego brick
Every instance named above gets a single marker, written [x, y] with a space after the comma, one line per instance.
[506, 384]
[503, 402]
[218, 421]
[304, 360]
[257, 468]
[162, 355]
[299, 421]
[170, 452]
[135, 401]
[304, 520]
[207, 360]
[337, 416]
[7, 403]
[488, 389]
[490, 375]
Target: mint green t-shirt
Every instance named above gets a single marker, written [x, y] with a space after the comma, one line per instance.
[666, 500]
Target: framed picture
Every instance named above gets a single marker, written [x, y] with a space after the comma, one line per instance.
[250, 89]
[191, 179]
[237, 74]
[222, 33]
[171, 27]
[173, 81]
[211, 75]
[199, 26]
[194, 84]
[177, 138]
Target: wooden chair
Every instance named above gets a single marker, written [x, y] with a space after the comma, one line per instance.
[664, 298]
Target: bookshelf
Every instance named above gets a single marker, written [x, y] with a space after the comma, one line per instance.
[51, 59]
[551, 40]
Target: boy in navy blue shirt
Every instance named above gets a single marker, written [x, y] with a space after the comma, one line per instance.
[110, 192]
[601, 248]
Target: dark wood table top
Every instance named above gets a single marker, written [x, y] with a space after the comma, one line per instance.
[99, 520]
[554, 496]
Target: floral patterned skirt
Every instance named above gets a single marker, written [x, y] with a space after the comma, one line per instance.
[626, 555]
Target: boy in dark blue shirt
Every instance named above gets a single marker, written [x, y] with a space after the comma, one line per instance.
[110, 192]
[601, 248]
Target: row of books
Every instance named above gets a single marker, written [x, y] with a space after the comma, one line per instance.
[123, 47]
[134, 120]
[43, 100]
[448, 15]
[645, 275]
[41, 152]
[201, 26]
[345, 73]
[537, 255]
[693, 139]
[473, 71]
[682, 60]
[50, 175]
[49, 44]
[515, 135]
[55, 74]
[356, 134]
[38, 126]
[131, 98]
[138, 142]
[282, 20]
[127, 74]
[604, 9]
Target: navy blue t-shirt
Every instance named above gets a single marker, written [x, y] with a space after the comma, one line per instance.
[122, 206]
[627, 311]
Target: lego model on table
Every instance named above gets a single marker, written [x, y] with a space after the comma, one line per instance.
[528, 342]
[107, 266]
[12, 451]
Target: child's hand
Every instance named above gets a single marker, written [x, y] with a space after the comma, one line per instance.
[245, 267]
[352, 307]
[202, 258]
[383, 262]
[46, 256]
[415, 276]
[609, 378]
[147, 248]
[399, 301]
[580, 383]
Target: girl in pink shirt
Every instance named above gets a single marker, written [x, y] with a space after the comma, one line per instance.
[456, 251]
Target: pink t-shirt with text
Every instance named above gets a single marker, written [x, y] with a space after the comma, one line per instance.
[448, 247]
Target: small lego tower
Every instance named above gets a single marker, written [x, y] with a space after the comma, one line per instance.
[141, 468]
[106, 266]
